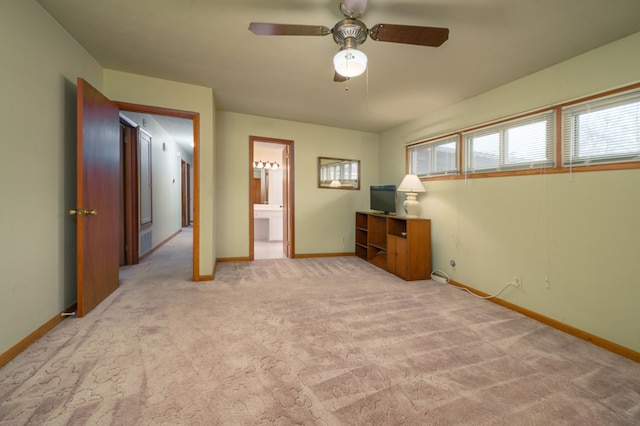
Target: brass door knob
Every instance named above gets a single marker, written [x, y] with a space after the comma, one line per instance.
[83, 212]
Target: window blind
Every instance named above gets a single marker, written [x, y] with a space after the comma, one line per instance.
[605, 130]
[437, 157]
[522, 143]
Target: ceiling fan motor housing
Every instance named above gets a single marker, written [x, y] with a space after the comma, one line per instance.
[349, 31]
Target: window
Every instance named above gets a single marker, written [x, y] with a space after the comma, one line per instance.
[437, 157]
[605, 130]
[598, 132]
[523, 143]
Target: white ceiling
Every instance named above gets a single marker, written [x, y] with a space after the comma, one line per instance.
[207, 43]
[180, 129]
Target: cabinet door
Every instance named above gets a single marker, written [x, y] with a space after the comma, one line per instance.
[397, 256]
[275, 226]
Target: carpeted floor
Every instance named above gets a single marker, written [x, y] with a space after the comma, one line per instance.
[326, 341]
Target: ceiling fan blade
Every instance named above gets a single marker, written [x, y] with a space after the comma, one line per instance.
[409, 34]
[339, 78]
[261, 28]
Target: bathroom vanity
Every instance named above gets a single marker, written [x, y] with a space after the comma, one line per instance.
[267, 222]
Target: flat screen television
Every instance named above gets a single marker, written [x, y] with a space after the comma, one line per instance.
[383, 198]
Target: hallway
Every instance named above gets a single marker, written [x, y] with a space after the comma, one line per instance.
[174, 258]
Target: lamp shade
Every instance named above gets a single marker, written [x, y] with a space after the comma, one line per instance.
[411, 183]
[350, 62]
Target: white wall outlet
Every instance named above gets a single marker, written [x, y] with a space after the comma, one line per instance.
[517, 281]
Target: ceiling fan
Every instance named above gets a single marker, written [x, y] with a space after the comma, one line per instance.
[351, 32]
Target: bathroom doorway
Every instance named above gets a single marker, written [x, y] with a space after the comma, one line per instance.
[271, 195]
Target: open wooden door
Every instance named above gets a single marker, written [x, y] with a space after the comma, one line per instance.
[98, 197]
[287, 204]
[129, 194]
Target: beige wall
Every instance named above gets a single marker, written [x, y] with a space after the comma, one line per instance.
[40, 64]
[132, 88]
[579, 231]
[324, 217]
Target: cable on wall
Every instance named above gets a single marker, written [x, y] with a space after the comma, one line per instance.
[442, 277]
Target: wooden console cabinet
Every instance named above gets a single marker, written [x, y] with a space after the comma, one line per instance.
[399, 245]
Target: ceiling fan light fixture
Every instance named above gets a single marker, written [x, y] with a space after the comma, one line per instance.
[353, 8]
[350, 62]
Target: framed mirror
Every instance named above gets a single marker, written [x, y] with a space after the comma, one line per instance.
[338, 173]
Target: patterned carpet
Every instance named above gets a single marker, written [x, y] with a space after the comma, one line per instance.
[326, 341]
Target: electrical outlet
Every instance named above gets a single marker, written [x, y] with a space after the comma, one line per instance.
[517, 281]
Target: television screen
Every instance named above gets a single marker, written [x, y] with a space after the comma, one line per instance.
[383, 198]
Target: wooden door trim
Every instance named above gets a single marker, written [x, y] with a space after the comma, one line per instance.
[291, 204]
[195, 117]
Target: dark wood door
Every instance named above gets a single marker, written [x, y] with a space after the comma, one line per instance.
[186, 193]
[98, 197]
[122, 247]
[129, 220]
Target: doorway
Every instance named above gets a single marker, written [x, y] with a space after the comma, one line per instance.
[188, 198]
[271, 198]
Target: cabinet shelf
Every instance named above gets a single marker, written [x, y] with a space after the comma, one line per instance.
[399, 245]
[380, 261]
[362, 236]
[380, 246]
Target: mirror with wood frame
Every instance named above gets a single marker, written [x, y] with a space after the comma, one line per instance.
[338, 173]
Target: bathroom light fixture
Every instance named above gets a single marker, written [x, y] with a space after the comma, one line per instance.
[265, 165]
[412, 186]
